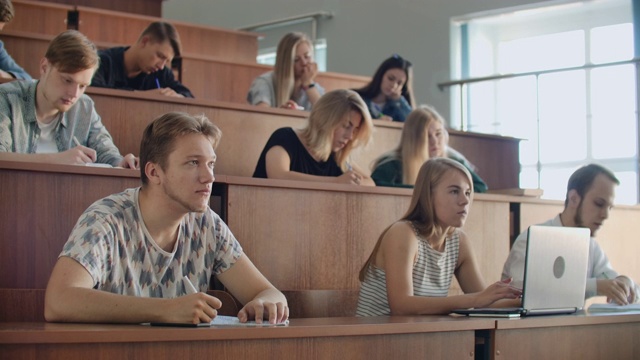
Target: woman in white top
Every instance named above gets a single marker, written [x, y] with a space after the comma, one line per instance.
[411, 267]
[291, 84]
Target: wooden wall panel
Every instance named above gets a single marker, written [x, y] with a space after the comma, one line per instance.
[39, 17]
[141, 7]
[106, 26]
[38, 212]
[247, 128]
[324, 237]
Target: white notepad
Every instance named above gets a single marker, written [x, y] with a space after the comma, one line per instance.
[604, 308]
[222, 320]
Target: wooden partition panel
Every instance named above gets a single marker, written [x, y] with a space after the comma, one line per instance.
[39, 17]
[567, 337]
[142, 7]
[122, 28]
[247, 128]
[26, 49]
[440, 337]
[219, 79]
[310, 237]
[497, 158]
[40, 205]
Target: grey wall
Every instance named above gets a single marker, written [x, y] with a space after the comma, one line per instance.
[361, 34]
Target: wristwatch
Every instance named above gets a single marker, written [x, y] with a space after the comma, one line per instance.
[308, 86]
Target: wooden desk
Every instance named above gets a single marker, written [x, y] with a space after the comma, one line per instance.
[567, 337]
[323, 338]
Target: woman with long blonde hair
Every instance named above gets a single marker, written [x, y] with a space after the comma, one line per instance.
[413, 263]
[338, 124]
[291, 84]
[424, 136]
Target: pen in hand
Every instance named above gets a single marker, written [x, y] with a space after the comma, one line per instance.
[188, 286]
[158, 83]
[75, 140]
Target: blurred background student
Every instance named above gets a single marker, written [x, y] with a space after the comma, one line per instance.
[389, 95]
[9, 69]
[424, 136]
[292, 83]
[338, 124]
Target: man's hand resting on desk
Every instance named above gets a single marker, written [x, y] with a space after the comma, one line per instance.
[130, 161]
[620, 290]
[257, 308]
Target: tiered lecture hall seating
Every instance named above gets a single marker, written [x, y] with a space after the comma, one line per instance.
[308, 239]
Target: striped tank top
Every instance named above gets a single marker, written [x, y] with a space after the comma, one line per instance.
[432, 274]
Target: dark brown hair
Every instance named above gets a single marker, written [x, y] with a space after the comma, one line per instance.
[160, 32]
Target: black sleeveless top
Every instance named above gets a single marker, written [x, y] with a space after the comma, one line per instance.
[301, 160]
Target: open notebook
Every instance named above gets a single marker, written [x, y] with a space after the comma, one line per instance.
[222, 320]
[555, 273]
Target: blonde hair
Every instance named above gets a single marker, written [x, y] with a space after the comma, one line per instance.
[422, 211]
[413, 148]
[283, 72]
[435, 116]
[327, 114]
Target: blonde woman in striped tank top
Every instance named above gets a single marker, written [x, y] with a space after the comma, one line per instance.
[411, 267]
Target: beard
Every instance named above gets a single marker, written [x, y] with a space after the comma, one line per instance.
[577, 219]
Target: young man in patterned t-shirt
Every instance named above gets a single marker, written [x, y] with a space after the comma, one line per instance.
[126, 257]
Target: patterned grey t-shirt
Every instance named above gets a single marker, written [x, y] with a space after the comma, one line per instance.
[111, 241]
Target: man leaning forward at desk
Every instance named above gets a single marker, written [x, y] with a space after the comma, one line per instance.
[590, 194]
[52, 120]
[126, 258]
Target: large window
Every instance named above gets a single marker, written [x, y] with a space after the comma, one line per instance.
[573, 97]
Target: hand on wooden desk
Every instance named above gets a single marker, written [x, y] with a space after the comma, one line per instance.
[620, 290]
[258, 308]
[195, 308]
[130, 161]
[165, 92]
[78, 155]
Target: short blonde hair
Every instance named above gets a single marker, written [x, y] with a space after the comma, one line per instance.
[413, 148]
[327, 114]
[71, 52]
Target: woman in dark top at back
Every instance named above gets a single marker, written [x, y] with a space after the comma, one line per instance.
[338, 123]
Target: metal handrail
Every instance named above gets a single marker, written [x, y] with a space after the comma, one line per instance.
[313, 17]
[447, 84]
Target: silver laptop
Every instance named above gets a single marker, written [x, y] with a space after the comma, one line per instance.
[555, 273]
